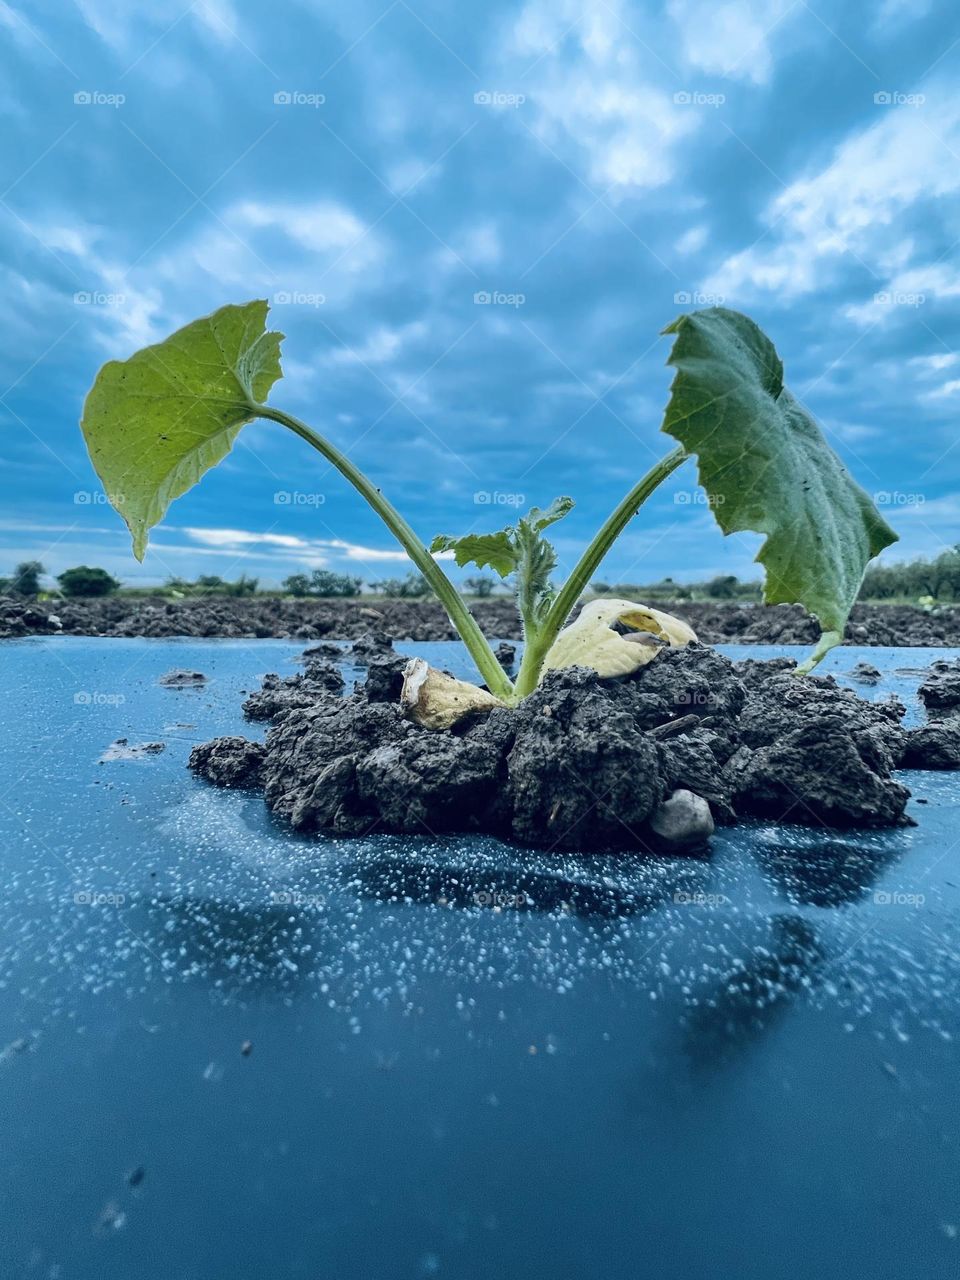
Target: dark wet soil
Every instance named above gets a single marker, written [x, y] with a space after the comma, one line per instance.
[423, 620]
[588, 764]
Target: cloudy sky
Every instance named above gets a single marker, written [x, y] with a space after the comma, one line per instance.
[472, 221]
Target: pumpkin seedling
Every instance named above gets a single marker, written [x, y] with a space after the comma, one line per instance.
[155, 423]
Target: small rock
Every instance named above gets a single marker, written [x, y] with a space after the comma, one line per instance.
[505, 653]
[940, 692]
[865, 673]
[179, 679]
[246, 1048]
[325, 649]
[934, 746]
[230, 761]
[384, 681]
[682, 820]
[372, 644]
[121, 749]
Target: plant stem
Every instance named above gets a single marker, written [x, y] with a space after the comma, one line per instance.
[537, 647]
[461, 617]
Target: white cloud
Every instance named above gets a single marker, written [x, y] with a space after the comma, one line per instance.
[353, 551]
[132, 29]
[730, 39]
[317, 250]
[935, 363]
[949, 390]
[896, 13]
[382, 345]
[403, 175]
[242, 537]
[481, 246]
[316, 225]
[851, 432]
[855, 208]
[306, 549]
[588, 82]
[691, 241]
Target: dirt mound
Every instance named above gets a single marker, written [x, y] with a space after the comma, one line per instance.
[583, 763]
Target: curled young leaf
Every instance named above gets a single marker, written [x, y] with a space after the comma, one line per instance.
[591, 641]
[767, 468]
[155, 423]
[518, 549]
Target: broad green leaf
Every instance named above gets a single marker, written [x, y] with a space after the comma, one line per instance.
[767, 468]
[482, 549]
[155, 423]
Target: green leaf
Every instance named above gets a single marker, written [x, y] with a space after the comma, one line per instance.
[497, 550]
[517, 549]
[155, 423]
[767, 468]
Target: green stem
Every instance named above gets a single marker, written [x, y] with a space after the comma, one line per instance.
[443, 588]
[537, 647]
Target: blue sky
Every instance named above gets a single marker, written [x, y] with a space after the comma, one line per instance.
[591, 166]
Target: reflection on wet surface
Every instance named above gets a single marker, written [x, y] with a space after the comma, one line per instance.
[381, 1057]
[736, 1008]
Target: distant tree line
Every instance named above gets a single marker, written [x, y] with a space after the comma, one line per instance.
[79, 581]
[937, 579]
[723, 587]
[322, 583]
[84, 580]
[211, 585]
